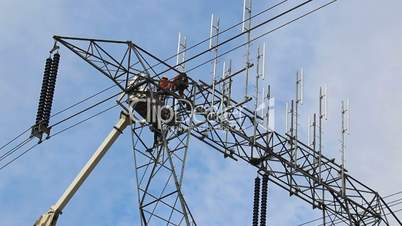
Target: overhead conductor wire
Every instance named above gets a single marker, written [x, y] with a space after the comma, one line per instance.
[222, 43]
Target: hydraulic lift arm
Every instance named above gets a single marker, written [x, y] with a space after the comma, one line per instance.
[50, 218]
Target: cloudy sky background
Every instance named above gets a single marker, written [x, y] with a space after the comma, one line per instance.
[354, 47]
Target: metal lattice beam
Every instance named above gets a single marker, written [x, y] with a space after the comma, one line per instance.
[233, 132]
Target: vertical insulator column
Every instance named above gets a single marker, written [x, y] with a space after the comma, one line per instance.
[257, 183]
[51, 88]
[264, 200]
[43, 92]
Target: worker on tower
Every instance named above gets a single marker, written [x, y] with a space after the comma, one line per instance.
[180, 83]
[165, 84]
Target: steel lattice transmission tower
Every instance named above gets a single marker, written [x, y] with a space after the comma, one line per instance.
[163, 116]
[160, 159]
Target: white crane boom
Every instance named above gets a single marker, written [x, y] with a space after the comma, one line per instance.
[50, 218]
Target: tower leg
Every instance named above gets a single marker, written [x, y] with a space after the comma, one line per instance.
[159, 173]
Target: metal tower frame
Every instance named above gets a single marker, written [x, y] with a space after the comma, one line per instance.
[160, 166]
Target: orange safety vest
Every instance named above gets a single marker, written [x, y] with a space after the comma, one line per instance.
[165, 84]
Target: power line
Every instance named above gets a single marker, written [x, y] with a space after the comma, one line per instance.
[19, 146]
[19, 156]
[83, 100]
[266, 33]
[84, 120]
[86, 109]
[199, 54]
[388, 196]
[251, 29]
[189, 48]
[385, 214]
[194, 68]
[26, 141]
[169, 58]
[57, 113]
[15, 138]
[396, 193]
[57, 133]
[15, 148]
[224, 31]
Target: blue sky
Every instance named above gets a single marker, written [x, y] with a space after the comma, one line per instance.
[353, 46]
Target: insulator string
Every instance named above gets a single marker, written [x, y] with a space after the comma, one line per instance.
[257, 183]
[43, 92]
[51, 88]
[264, 200]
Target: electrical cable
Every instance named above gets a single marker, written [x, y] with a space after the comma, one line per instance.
[224, 31]
[169, 58]
[258, 37]
[19, 156]
[254, 39]
[59, 112]
[57, 133]
[251, 29]
[385, 214]
[393, 194]
[226, 41]
[320, 218]
[83, 100]
[312, 11]
[86, 109]
[264, 34]
[15, 138]
[23, 143]
[14, 149]
[84, 120]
